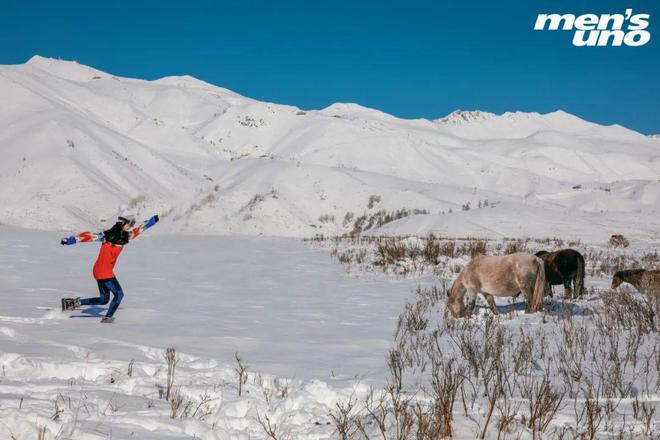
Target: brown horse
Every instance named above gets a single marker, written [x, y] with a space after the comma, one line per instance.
[564, 267]
[508, 275]
[644, 281]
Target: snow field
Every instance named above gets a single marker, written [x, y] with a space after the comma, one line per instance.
[299, 321]
[316, 339]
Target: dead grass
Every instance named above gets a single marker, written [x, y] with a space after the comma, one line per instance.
[600, 366]
[445, 256]
[627, 310]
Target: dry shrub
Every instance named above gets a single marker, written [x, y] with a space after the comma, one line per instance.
[373, 200]
[431, 250]
[606, 263]
[644, 411]
[390, 252]
[241, 370]
[350, 256]
[270, 429]
[379, 218]
[618, 240]
[544, 402]
[172, 360]
[446, 379]
[628, 310]
[650, 259]
[345, 420]
[448, 249]
[472, 248]
[515, 246]
[183, 406]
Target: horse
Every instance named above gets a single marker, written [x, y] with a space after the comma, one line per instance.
[500, 276]
[565, 266]
[644, 281]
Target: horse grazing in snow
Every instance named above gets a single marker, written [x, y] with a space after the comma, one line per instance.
[507, 275]
[645, 281]
[564, 267]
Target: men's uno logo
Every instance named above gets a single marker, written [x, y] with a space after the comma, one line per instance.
[600, 30]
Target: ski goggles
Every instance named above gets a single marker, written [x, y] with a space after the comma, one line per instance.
[130, 222]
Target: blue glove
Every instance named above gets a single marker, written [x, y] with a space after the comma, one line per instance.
[68, 241]
[152, 221]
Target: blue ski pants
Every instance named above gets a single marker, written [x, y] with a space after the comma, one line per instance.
[106, 287]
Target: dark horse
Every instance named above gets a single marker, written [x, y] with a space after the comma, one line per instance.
[644, 281]
[563, 267]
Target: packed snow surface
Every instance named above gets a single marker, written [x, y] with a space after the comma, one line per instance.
[287, 308]
[294, 316]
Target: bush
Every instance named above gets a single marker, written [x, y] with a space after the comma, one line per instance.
[515, 246]
[348, 218]
[382, 217]
[373, 200]
[626, 310]
[618, 240]
[327, 218]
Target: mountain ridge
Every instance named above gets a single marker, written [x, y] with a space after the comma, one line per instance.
[219, 162]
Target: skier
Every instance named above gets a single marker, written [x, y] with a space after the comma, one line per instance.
[113, 241]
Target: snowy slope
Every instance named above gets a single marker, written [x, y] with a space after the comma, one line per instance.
[78, 142]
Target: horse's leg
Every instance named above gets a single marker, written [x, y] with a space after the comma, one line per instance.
[491, 302]
[568, 293]
[472, 300]
[528, 291]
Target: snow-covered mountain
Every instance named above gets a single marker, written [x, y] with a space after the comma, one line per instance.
[77, 143]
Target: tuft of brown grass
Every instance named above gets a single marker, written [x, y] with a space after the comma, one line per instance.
[618, 240]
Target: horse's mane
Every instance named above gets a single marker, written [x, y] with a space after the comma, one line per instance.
[627, 273]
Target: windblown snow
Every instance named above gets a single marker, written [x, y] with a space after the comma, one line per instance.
[78, 142]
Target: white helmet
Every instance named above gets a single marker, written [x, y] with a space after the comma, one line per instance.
[126, 216]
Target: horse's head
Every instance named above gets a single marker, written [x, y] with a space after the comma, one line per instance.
[455, 299]
[616, 281]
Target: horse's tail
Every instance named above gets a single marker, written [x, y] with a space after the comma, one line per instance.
[579, 276]
[539, 287]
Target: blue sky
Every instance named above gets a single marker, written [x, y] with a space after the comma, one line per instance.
[411, 59]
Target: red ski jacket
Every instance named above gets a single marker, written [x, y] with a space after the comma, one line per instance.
[105, 263]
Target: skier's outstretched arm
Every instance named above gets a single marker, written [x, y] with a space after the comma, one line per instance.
[83, 237]
[135, 232]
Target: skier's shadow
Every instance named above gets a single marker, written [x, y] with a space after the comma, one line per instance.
[90, 312]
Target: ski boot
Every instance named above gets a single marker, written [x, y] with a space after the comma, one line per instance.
[70, 303]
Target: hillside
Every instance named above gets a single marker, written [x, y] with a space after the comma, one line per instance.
[78, 142]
